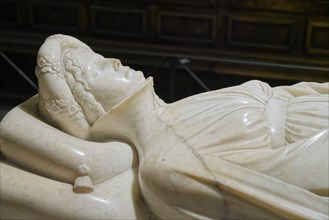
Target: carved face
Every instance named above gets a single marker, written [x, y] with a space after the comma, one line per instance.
[109, 80]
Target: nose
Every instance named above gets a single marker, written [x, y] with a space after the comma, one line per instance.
[116, 64]
[107, 64]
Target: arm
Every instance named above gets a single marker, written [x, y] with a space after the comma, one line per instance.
[301, 89]
[35, 145]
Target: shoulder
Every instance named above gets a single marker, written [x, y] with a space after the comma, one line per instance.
[302, 89]
[252, 88]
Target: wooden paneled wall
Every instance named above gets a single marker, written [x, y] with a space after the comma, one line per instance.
[280, 39]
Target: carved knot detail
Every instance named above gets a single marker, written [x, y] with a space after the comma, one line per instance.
[45, 65]
[65, 109]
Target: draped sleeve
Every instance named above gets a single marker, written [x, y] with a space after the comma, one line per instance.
[307, 109]
[224, 120]
[249, 116]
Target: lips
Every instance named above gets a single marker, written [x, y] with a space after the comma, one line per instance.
[132, 74]
[140, 74]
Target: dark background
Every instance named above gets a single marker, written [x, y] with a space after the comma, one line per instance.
[226, 41]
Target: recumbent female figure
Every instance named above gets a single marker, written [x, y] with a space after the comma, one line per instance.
[249, 151]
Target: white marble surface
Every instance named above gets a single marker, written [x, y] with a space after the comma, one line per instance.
[38, 182]
[249, 151]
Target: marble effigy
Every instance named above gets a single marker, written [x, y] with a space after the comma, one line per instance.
[98, 143]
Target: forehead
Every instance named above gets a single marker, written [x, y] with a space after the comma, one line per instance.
[83, 56]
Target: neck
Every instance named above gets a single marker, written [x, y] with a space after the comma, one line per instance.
[132, 120]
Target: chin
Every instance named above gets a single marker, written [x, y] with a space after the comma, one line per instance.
[140, 75]
[138, 83]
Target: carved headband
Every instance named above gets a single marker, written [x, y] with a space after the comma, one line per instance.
[62, 96]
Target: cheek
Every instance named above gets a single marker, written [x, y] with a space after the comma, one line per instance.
[112, 87]
[120, 89]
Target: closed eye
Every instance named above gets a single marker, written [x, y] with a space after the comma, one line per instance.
[93, 68]
[96, 72]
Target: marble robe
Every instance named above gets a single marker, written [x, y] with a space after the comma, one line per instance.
[249, 151]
